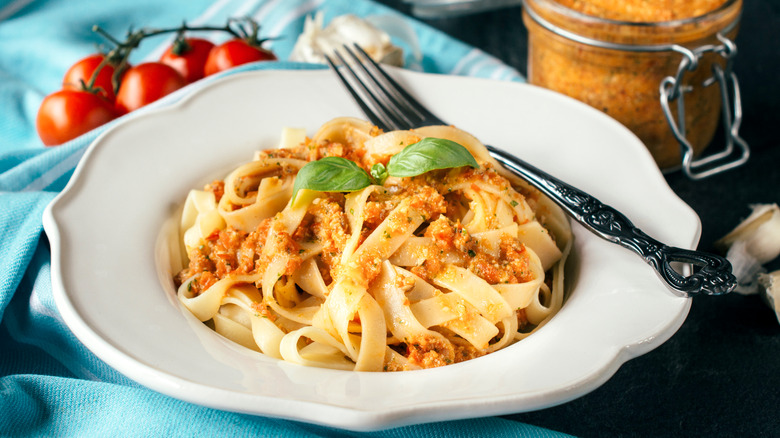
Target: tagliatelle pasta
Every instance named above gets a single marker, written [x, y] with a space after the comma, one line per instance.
[402, 274]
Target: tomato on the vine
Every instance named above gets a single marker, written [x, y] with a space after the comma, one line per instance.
[66, 114]
[83, 70]
[235, 52]
[145, 83]
[188, 56]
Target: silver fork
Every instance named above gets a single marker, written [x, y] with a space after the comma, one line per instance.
[390, 107]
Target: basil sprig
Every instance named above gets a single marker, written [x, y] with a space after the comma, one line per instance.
[336, 174]
[331, 174]
[429, 154]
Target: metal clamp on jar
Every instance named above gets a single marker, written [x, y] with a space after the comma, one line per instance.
[623, 60]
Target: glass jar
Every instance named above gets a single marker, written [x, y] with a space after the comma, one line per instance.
[667, 78]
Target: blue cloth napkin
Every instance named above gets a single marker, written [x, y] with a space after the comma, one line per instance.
[50, 384]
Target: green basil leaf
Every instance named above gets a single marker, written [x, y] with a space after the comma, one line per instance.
[331, 174]
[379, 173]
[429, 154]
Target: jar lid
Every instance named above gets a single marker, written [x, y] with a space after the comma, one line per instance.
[578, 23]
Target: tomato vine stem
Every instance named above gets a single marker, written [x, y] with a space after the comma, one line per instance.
[245, 28]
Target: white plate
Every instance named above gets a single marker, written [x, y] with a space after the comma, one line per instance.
[113, 286]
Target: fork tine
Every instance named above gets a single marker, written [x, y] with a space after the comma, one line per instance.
[395, 91]
[383, 107]
[402, 116]
[357, 97]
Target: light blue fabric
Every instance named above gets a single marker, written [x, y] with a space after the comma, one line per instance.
[50, 384]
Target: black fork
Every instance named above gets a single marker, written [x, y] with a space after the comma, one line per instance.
[390, 107]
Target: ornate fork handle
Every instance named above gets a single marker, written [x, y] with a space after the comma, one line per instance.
[713, 276]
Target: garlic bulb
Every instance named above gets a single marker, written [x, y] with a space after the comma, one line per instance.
[754, 242]
[316, 41]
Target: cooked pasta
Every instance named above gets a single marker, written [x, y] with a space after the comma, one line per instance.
[402, 274]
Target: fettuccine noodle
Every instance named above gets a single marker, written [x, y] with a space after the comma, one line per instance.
[415, 273]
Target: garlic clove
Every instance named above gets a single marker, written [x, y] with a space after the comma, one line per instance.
[754, 242]
[760, 233]
[745, 267]
[316, 40]
[769, 285]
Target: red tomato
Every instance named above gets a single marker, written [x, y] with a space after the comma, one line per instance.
[188, 57]
[82, 71]
[145, 83]
[233, 53]
[66, 114]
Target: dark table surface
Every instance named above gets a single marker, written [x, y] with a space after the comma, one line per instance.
[719, 375]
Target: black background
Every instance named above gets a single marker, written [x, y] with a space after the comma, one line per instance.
[719, 375]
